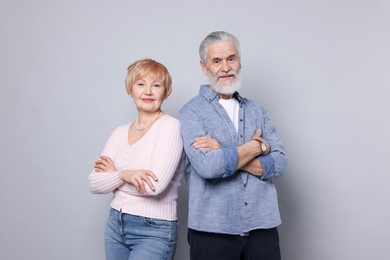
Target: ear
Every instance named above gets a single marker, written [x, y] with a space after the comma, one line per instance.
[204, 68]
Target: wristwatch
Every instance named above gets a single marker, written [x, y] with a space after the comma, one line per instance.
[263, 147]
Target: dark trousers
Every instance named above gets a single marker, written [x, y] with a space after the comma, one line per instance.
[260, 244]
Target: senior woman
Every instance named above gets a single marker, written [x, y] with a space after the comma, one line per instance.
[142, 163]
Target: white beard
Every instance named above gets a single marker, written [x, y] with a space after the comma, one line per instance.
[227, 88]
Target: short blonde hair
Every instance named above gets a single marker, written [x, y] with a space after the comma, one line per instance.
[149, 68]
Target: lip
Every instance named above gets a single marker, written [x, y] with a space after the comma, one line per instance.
[147, 100]
[226, 77]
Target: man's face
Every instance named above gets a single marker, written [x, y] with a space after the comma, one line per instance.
[223, 64]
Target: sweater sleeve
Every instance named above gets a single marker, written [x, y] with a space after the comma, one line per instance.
[166, 155]
[105, 182]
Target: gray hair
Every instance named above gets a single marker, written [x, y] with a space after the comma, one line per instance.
[215, 37]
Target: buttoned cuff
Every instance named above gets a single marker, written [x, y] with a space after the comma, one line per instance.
[268, 166]
[230, 155]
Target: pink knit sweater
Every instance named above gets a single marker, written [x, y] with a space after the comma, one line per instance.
[159, 150]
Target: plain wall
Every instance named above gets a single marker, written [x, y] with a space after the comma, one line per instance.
[321, 68]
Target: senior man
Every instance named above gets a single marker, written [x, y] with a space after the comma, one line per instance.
[234, 153]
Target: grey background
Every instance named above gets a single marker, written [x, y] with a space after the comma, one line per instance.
[320, 67]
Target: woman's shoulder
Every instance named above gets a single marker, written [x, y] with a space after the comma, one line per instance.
[169, 120]
[122, 129]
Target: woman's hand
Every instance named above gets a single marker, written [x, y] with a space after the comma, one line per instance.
[138, 178]
[206, 143]
[104, 164]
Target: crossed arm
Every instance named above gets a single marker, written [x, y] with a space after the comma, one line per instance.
[152, 178]
[247, 153]
[137, 178]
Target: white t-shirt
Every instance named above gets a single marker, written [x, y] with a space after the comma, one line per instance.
[231, 107]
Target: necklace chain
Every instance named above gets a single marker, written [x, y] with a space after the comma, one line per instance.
[141, 128]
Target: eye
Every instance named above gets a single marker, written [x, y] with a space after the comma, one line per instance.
[231, 59]
[156, 85]
[216, 61]
[140, 84]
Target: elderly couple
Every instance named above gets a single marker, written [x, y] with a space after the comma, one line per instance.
[232, 153]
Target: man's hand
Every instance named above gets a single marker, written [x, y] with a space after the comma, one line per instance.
[263, 143]
[253, 167]
[206, 143]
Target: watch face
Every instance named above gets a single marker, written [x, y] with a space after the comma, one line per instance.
[263, 147]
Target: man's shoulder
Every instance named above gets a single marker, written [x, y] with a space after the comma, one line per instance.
[192, 102]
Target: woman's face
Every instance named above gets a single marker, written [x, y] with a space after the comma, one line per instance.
[148, 94]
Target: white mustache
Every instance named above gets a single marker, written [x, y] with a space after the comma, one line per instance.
[223, 74]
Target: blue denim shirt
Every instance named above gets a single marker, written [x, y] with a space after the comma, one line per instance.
[223, 199]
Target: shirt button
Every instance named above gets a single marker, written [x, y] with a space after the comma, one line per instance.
[246, 203]
[241, 136]
[241, 120]
[244, 185]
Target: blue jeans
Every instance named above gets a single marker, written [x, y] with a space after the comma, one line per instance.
[135, 237]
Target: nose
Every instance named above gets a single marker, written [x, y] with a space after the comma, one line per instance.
[148, 90]
[225, 67]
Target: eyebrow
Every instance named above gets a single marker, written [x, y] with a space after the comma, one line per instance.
[228, 57]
